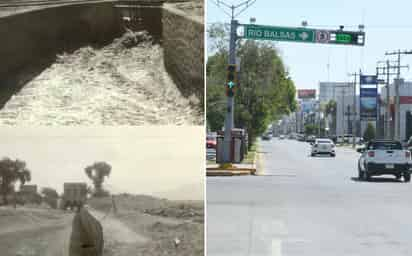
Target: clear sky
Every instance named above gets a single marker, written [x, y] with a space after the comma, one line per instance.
[165, 161]
[388, 27]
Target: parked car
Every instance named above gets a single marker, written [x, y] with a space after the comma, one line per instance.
[323, 146]
[211, 141]
[267, 136]
[311, 138]
[409, 144]
[333, 138]
[348, 138]
[340, 139]
[384, 157]
[301, 137]
[282, 137]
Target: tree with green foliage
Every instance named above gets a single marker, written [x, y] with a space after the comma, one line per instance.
[264, 93]
[97, 172]
[12, 171]
[311, 129]
[369, 133]
[50, 196]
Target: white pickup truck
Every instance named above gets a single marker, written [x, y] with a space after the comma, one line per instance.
[384, 157]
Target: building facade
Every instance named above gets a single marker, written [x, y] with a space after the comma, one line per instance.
[405, 99]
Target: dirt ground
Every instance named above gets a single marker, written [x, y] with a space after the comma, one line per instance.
[170, 227]
[123, 83]
[142, 225]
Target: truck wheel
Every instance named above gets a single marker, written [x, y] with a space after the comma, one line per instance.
[407, 177]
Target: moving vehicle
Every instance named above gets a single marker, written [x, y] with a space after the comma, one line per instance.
[323, 146]
[282, 137]
[381, 157]
[74, 195]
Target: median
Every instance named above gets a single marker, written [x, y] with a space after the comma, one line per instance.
[247, 167]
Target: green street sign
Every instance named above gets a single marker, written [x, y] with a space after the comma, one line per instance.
[304, 35]
[279, 33]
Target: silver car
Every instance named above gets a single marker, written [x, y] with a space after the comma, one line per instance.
[323, 146]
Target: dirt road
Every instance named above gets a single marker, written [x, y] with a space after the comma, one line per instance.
[141, 226]
[43, 233]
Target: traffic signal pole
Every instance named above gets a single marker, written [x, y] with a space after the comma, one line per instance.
[230, 107]
[229, 118]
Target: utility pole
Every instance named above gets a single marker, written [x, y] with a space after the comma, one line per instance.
[397, 85]
[229, 118]
[386, 70]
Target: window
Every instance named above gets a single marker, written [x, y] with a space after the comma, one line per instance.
[383, 145]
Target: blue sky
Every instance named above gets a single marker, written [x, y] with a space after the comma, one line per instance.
[388, 27]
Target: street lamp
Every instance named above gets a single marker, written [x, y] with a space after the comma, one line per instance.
[304, 23]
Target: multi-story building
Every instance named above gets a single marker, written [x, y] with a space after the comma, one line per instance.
[333, 90]
[405, 99]
[343, 94]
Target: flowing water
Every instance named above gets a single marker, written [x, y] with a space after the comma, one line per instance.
[118, 84]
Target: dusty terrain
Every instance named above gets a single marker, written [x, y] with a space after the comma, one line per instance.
[123, 83]
[161, 222]
[141, 225]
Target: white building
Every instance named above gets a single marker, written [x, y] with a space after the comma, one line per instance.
[343, 94]
[333, 90]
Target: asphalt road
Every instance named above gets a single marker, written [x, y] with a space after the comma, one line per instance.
[308, 206]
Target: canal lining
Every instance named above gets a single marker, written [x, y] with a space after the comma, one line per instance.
[35, 38]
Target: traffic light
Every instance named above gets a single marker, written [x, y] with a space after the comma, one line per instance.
[231, 81]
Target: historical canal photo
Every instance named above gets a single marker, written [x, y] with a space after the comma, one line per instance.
[101, 191]
[119, 62]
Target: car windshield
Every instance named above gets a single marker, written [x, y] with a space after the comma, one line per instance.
[323, 141]
[385, 145]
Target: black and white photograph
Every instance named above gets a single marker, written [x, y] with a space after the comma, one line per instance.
[101, 191]
[119, 62]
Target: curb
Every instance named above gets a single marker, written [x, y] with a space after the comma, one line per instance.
[212, 173]
[216, 171]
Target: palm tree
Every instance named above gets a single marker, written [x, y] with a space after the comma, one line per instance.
[12, 171]
[330, 109]
[97, 172]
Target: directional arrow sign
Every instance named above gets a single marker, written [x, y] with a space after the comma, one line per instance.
[304, 35]
[279, 33]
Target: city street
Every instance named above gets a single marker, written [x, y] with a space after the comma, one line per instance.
[307, 206]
